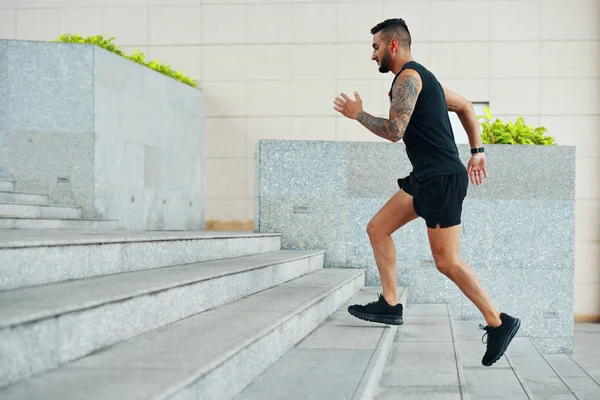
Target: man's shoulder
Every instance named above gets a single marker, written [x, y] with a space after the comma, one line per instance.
[411, 71]
[413, 64]
[427, 77]
[417, 66]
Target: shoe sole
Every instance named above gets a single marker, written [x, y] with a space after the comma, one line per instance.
[383, 319]
[507, 341]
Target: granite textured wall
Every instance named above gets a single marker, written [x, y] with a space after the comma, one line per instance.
[517, 232]
[47, 120]
[149, 147]
[95, 130]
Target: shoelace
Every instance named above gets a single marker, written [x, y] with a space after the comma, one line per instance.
[379, 296]
[487, 330]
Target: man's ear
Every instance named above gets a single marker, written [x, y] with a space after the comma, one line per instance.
[394, 44]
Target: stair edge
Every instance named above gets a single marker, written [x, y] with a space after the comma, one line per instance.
[65, 359]
[200, 376]
[367, 388]
[52, 313]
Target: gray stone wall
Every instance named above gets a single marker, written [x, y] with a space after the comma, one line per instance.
[47, 120]
[149, 147]
[518, 229]
[95, 130]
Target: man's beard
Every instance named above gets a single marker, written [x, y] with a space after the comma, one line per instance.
[384, 63]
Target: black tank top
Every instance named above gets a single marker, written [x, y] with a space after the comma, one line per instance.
[429, 139]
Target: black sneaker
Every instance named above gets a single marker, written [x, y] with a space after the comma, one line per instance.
[378, 311]
[499, 338]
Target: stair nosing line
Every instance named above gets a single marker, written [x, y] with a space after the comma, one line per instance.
[40, 205]
[25, 193]
[51, 313]
[387, 331]
[528, 393]
[225, 356]
[462, 381]
[51, 219]
[120, 240]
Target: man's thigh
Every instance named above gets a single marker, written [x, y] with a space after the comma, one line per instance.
[398, 211]
[445, 243]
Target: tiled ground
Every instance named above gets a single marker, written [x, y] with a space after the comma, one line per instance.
[436, 358]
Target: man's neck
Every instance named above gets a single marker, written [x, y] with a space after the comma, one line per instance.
[399, 63]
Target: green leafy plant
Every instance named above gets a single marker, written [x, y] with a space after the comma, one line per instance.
[499, 132]
[137, 56]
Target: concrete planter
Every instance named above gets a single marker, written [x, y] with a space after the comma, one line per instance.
[95, 130]
[518, 227]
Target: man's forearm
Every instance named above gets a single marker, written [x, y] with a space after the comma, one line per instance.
[382, 127]
[468, 119]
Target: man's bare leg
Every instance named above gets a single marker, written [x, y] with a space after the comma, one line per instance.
[397, 212]
[445, 248]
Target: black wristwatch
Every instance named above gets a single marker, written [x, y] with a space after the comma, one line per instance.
[477, 150]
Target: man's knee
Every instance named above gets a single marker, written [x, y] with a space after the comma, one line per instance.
[371, 228]
[374, 230]
[447, 263]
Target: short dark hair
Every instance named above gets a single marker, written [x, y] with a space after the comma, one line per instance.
[394, 28]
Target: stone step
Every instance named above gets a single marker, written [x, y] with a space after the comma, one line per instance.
[38, 211]
[87, 315]
[23, 198]
[342, 359]
[6, 186]
[424, 361]
[57, 224]
[38, 257]
[211, 355]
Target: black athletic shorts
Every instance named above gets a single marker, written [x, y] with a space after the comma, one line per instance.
[437, 200]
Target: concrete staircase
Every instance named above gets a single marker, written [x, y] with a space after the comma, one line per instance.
[33, 211]
[155, 315]
[342, 359]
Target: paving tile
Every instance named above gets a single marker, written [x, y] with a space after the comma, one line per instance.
[565, 365]
[520, 347]
[472, 351]
[583, 387]
[426, 309]
[306, 374]
[469, 328]
[493, 383]
[344, 332]
[577, 379]
[421, 364]
[425, 329]
[419, 393]
[543, 384]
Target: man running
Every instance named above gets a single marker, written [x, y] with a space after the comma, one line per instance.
[436, 187]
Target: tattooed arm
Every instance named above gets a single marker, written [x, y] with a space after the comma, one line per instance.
[404, 97]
